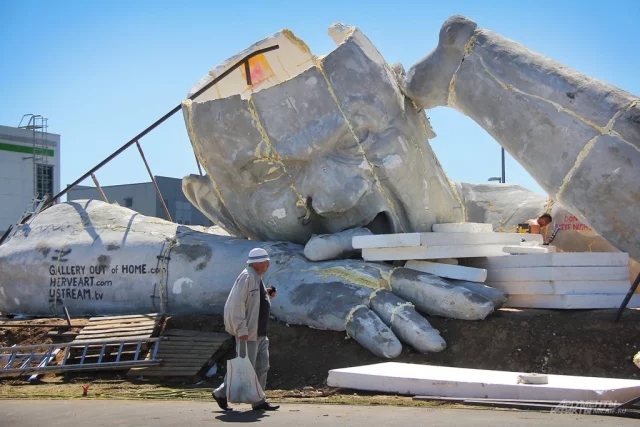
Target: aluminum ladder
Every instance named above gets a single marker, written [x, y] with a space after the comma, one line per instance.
[22, 359]
[29, 214]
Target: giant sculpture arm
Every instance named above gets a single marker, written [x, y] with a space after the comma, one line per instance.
[97, 259]
[577, 136]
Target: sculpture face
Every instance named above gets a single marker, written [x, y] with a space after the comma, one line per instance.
[315, 145]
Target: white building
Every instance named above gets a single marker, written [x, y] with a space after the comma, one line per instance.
[29, 165]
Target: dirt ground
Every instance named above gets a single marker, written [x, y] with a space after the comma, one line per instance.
[584, 342]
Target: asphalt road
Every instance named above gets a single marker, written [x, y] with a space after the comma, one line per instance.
[97, 413]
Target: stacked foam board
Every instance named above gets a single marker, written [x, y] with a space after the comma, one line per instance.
[566, 280]
[458, 241]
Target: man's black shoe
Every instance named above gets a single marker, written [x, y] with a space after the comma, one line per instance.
[266, 406]
[222, 403]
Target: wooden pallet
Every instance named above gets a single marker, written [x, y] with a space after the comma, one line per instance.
[117, 327]
[185, 353]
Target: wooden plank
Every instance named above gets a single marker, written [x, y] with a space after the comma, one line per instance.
[183, 363]
[148, 324]
[183, 356]
[187, 355]
[196, 340]
[127, 316]
[93, 339]
[122, 322]
[143, 330]
[179, 362]
[185, 340]
[186, 333]
[193, 369]
[114, 335]
[203, 349]
[191, 345]
[163, 374]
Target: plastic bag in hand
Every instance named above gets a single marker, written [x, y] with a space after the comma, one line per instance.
[242, 382]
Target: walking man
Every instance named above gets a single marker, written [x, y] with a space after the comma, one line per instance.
[246, 314]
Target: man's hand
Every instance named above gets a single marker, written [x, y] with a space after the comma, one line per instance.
[272, 292]
[243, 337]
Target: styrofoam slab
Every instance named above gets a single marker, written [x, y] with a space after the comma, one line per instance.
[557, 273]
[441, 239]
[562, 287]
[448, 239]
[560, 259]
[521, 249]
[449, 271]
[571, 301]
[431, 252]
[409, 379]
[465, 227]
[386, 240]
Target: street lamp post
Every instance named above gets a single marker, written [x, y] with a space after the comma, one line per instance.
[503, 170]
[501, 179]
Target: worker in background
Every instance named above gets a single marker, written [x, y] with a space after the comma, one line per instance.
[536, 225]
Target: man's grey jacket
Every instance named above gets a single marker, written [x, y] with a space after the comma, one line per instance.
[242, 309]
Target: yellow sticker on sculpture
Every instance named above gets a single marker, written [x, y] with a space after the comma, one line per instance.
[259, 69]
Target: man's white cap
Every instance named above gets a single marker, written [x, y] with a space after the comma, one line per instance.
[257, 255]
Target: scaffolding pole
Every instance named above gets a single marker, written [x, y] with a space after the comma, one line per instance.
[153, 179]
[95, 181]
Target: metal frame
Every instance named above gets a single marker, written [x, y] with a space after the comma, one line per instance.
[153, 179]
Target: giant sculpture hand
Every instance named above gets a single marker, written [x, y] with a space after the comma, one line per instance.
[577, 136]
[97, 258]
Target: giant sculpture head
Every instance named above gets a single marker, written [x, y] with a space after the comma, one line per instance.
[314, 145]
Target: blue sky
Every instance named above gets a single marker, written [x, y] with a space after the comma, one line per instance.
[103, 71]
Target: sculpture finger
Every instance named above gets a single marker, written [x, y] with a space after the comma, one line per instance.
[497, 296]
[333, 246]
[406, 323]
[436, 296]
[370, 331]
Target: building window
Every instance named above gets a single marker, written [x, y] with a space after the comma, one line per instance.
[128, 202]
[44, 180]
[183, 213]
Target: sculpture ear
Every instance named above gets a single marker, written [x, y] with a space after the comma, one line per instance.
[201, 192]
